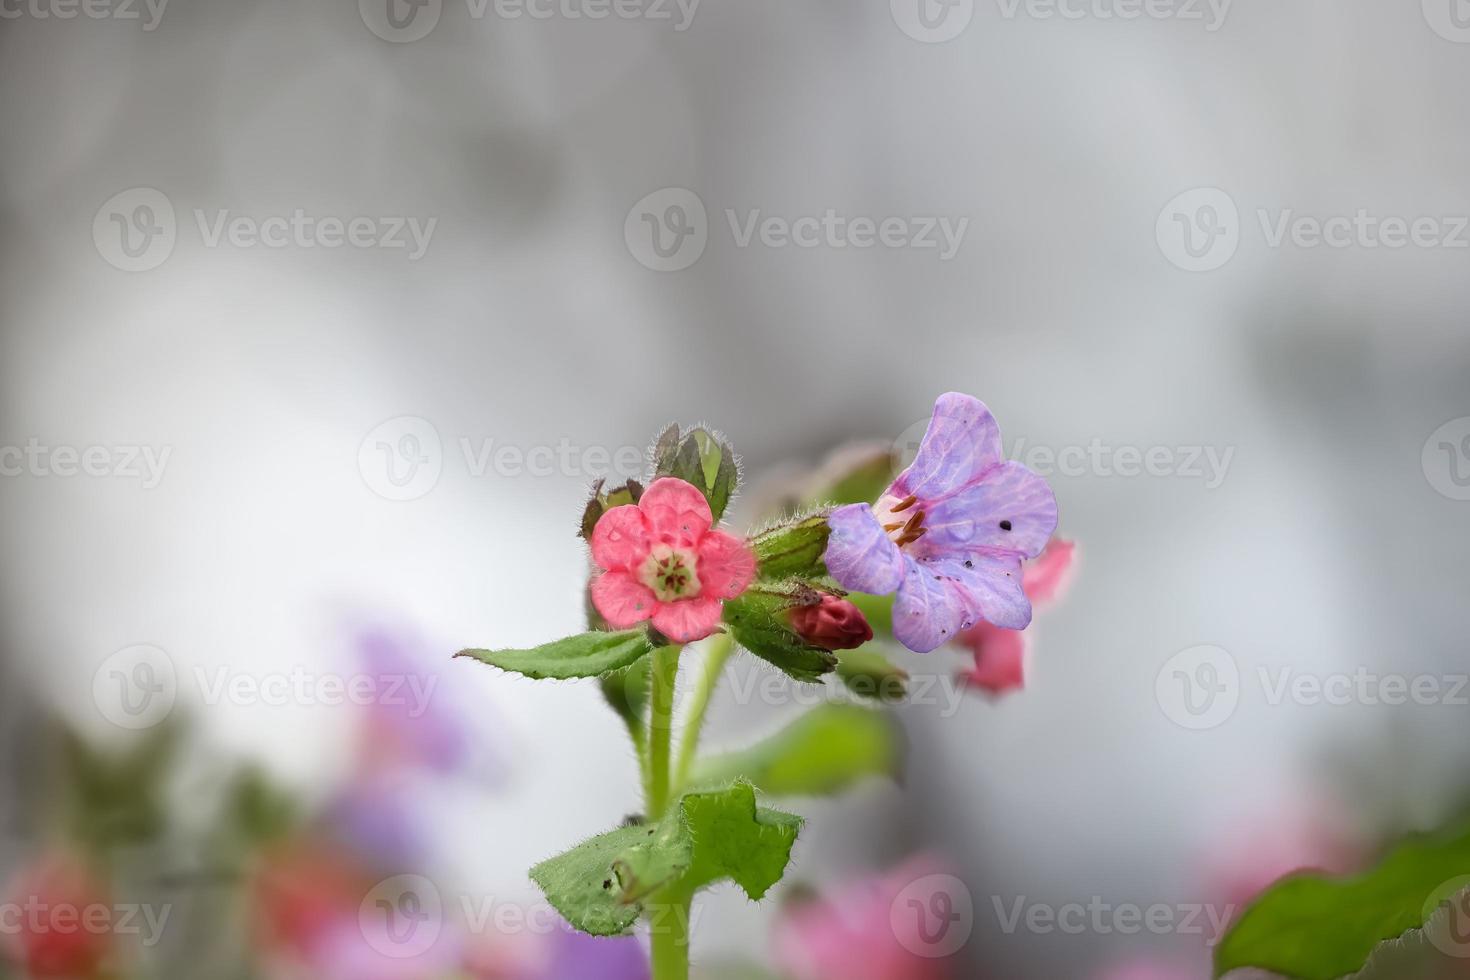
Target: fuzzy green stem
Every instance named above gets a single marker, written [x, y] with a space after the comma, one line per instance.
[721, 646]
[665, 674]
[669, 936]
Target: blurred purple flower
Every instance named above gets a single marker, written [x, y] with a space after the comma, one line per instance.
[950, 533]
[416, 721]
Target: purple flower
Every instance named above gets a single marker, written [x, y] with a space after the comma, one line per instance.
[950, 533]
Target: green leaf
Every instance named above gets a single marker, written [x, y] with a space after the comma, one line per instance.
[822, 753]
[759, 622]
[735, 839]
[857, 475]
[701, 458]
[603, 500]
[602, 885]
[584, 655]
[793, 548]
[582, 886]
[1313, 927]
[869, 674]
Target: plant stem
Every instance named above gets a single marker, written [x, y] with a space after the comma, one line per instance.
[669, 937]
[661, 728]
[721, 646]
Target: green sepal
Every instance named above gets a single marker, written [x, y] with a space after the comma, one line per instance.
[792, 548]
[590, 654]
[603, 500]
[822, 753]
[759, 621]
[1314, 927]
[867, 673]
[603, 885]
[702, 458]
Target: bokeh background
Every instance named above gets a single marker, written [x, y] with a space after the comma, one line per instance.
[1118, 284]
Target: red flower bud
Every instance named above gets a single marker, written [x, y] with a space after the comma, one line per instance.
[833, 624]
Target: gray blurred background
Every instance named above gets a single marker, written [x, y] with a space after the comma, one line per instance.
[1334, 541]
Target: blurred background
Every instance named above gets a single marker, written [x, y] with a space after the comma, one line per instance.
[320, 319]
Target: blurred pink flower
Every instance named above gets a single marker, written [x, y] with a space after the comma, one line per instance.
[1301, 838]
[662, 560]
[1000, 654]
[854, 933]
[50, 899]
[1145, 968]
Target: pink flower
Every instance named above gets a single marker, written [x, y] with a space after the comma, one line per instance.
[663, 561]
[864, 931]
[1000, 654]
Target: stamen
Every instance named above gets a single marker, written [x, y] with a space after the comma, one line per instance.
[905, 503]
[893, 527]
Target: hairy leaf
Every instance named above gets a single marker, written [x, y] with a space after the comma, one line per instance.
[584, 655]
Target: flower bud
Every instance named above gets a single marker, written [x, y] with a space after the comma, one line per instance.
[59, 885]
[832, 624]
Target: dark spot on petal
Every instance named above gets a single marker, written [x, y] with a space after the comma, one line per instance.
[968, 564]
[1005, 525]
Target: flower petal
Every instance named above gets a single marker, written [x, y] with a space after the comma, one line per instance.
[620, 539]
[622, 599]
[942, 597]
[961, 443]
[1045, 578]
[931, 609]
[1000, 659]
[726, 565]
[860, 555]
[1009, 509]
[676, 511]
[687, 620]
